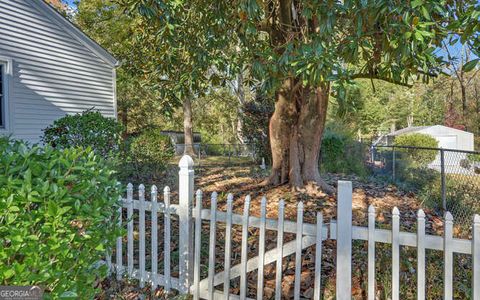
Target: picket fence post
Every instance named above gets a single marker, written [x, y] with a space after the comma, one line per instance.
[185, 195]
[344, 240]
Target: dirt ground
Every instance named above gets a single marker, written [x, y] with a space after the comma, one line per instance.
[245, 180]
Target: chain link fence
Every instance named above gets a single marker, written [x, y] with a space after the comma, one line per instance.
[221, 155]
[444, 179]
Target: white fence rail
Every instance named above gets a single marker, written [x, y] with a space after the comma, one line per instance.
[190, 218]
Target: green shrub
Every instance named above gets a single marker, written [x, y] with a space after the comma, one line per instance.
[88, 129]
[473, 157]
[461, 195]
[418, 157]
[149, 153]
[57, 222]
[340, 153]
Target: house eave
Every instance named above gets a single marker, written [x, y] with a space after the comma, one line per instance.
[82, 37]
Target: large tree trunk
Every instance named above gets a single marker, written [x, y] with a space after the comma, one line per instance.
[296, 129]
[188, 127]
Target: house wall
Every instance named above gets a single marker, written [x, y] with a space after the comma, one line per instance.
[53, 73]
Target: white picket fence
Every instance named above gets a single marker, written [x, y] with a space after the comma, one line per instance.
[190, 241]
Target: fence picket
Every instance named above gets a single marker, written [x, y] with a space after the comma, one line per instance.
[211, 255]
[476, 257]
[166, 236]
[344, 241]
[154, 237]
[108, 258]
[395, 254]
[198, 246]
[420, 255]
[261, 248]
[186, 195]
[279, 266]
[141, 229]
[130, 229]
[298, 252]
[118, 251]
[448, 256]
[371, 252]
[341, 230]
[228, 245]
[318, 258]
[244, 252]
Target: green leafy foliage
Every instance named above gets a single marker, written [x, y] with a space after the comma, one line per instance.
[88, 129]
[147, 155]
[139, 97]
[57, 222]
[419, 157]
[474, 157]
[340, 153]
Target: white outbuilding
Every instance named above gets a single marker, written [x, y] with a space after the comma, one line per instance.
[448, 138]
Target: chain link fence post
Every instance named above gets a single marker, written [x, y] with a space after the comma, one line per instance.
[443, 185]
[393, 163]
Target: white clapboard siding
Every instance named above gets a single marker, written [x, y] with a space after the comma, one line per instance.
[57, 70]
[307, 235]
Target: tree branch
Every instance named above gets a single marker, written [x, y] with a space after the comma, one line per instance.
[374, 76]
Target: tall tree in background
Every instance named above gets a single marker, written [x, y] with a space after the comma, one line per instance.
[190, 50]
[299, 47]
[139, 100]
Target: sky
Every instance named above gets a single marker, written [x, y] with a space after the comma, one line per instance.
[70, 3]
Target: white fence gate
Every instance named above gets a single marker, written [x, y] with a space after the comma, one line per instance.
[190, 218]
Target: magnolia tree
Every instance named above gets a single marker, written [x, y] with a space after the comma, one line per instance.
[305, 51]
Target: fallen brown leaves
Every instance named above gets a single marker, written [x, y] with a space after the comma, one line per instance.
[243, 181]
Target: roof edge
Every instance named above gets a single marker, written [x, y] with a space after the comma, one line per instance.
[81, 36]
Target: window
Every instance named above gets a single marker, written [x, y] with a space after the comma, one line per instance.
[2, 95]
[5, 75]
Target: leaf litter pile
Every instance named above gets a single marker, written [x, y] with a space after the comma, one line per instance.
[242, 181]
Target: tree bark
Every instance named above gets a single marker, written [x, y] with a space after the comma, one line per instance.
[188, 127]
[296, 130]
[241, 102]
